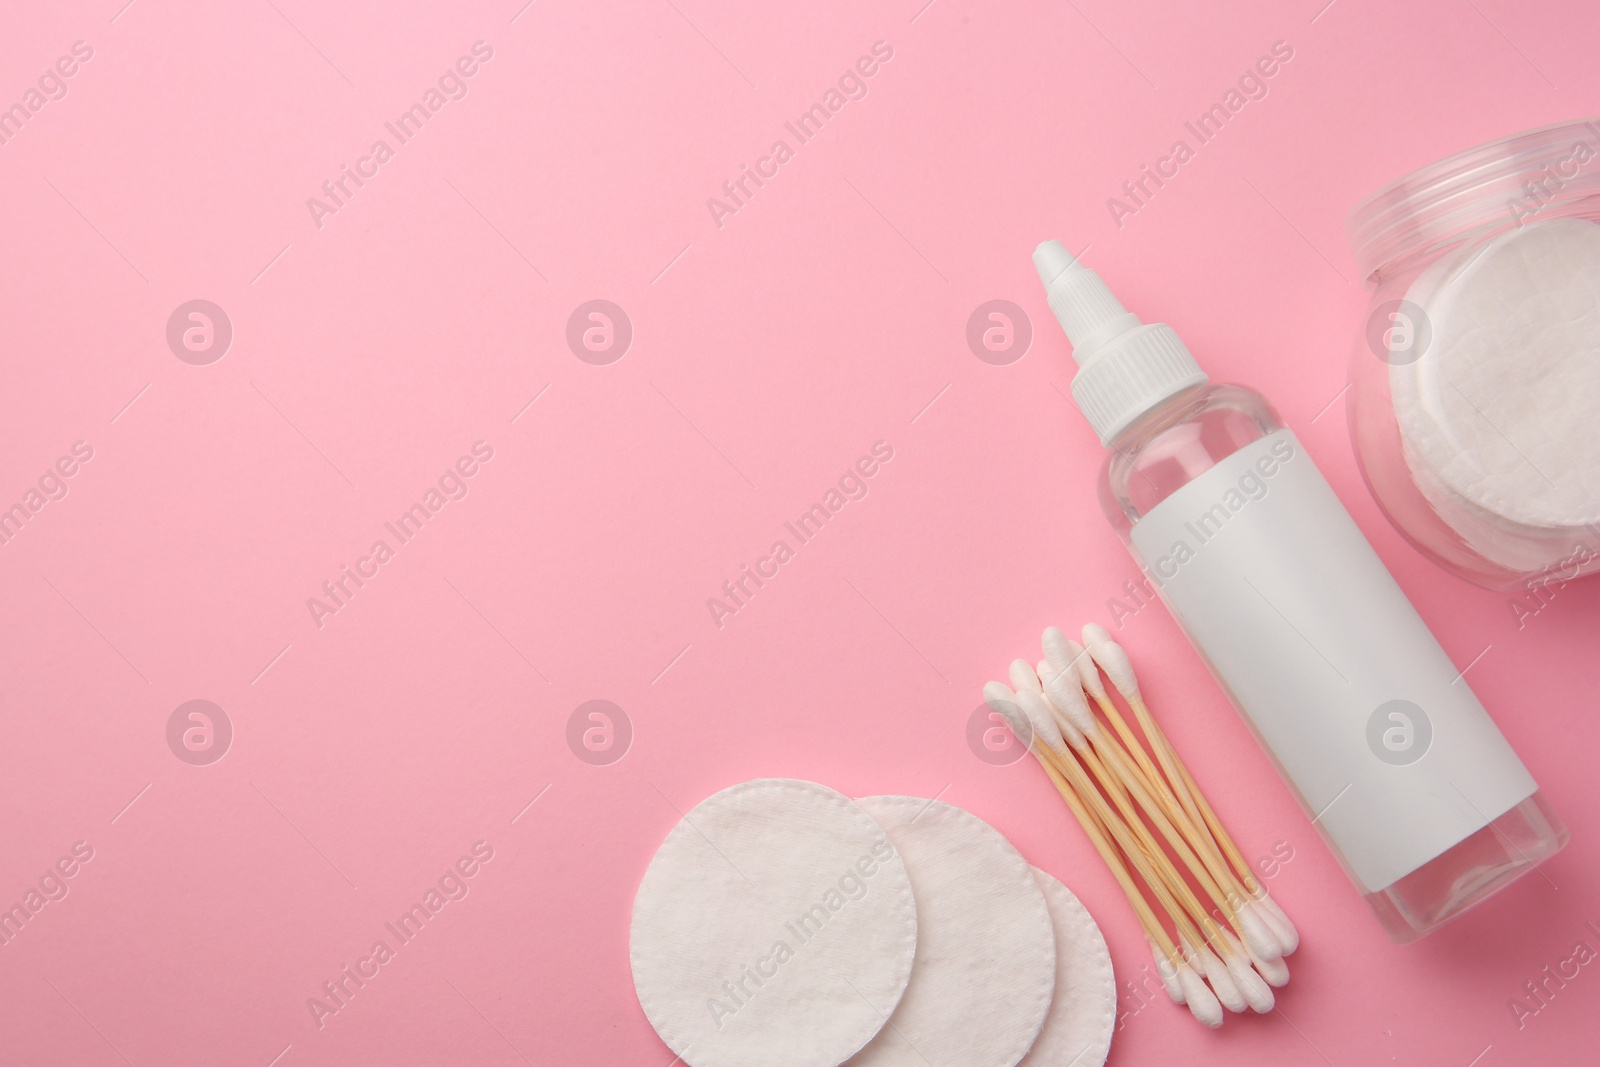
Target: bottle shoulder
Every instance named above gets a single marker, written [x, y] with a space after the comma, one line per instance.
[1176, 443]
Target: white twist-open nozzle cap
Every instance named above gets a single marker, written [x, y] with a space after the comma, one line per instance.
[1088, 310]
[1125, 368]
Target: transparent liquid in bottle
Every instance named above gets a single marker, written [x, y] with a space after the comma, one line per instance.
[1180, 441]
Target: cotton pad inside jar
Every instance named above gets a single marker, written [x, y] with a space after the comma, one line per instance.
[1498, 415]
[1476, 388]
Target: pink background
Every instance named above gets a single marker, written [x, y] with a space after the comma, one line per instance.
[827, 314]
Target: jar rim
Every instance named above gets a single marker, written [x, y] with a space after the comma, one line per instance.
[1499, 183]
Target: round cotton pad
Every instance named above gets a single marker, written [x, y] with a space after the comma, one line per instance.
[986, 952]
[1084, 1013]
[775, 925]
[1497, 416]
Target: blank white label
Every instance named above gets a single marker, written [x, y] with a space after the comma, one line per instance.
[1367, 718]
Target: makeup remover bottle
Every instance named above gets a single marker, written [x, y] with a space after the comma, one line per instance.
[1382, 740]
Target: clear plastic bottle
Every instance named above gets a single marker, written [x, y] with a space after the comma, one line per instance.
[1402, 771]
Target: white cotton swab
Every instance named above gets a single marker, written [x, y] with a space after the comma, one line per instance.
[1206, 964]
[1256, 934]
[1042, 722]
[1073, 721]
[1166, 972]
[1024, 678]
[1274, 972]
[1177, 977]
[1104, 654]
[1005, 703]
[1062, 649]
[1256, 992]
[1108, 656]
[1135, 807]
[1066, 696]
[1050, 748]
[1066, 693]
[1147, 859]
[1111, 658]
[1284, 930]
[1202, 1003]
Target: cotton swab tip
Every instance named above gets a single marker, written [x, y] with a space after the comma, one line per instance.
[1003, 702]
[1111, 659]
[996, 693]
[1282, 929]
[1166, 972]
[1087, 672]
[1203, 1004]
[1069, 728]
[1043, 723]
[1223, 984]
[1274, 972]
[1067, 696]
[1255, 991]
[1023, 677]
[1256, 934]
[1054, 643]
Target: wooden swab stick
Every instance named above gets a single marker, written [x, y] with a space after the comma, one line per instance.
[1201, 837]
[1144, 811]
[1003, 702]
[1062, 649]
[1113, 859]
[1183, 985]
[1112, 787]
[1218, 831]
[1209, 870]
[1047, 744]
[1114, 661]
[1071, 660]
[1203, 1003]
[1119, 787]
[1267, 939]
[1139, 847]
[1108, 656]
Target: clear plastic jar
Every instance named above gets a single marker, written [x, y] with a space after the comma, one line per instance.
[1475, 385]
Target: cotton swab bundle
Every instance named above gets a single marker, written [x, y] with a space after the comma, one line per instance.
[1046, 743]
[1151, 825]
[1258, 934]
[1238, 910]
[1209, 871]
[1111, 658]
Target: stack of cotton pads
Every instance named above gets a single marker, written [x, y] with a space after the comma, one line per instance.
[782, 923]
[1497, 416]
